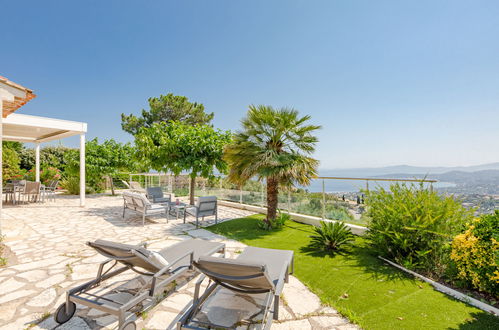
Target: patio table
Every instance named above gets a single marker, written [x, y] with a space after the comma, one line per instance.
[178, 209]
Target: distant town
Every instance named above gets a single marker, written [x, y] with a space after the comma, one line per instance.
[476, 186]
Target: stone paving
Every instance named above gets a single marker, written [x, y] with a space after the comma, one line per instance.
[49, 243]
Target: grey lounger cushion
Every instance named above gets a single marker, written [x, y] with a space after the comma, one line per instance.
[238, 274]
[277, 261]
[138, 256]
[255, 268]
[200, 247]
[131, 255]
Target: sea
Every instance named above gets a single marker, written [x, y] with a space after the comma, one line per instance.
[352, 186]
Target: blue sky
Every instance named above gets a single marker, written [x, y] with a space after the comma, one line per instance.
[391, 82]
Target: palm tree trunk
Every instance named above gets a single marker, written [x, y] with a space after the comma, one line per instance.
[272, 195]
[191, 190]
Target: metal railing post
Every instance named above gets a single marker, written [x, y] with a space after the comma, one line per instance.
[323, 199]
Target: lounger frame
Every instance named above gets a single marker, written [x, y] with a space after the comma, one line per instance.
[82, 295]
[270, 303]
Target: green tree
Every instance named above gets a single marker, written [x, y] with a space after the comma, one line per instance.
[14, 145]
[106, 159]
[50, 156]
[166, 108]
[179, 147]
[10, 164]
[274, 145]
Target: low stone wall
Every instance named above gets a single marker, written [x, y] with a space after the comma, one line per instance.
[307, 219]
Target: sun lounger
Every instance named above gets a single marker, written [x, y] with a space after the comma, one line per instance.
[135, 186]
[127, 186]
[256, 271]
[161, 267]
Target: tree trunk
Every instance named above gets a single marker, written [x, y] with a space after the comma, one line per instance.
[191, 190]
[112, 184]
[272, 198]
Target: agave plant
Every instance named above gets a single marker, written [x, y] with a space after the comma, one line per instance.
[331, 236]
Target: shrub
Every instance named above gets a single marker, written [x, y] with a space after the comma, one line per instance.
[10, 164]
[51, 156]
[334, 209]
[331, 237]
[476, 253]
[47, 174]
[414, 226]
[72, 185]
[276, 223]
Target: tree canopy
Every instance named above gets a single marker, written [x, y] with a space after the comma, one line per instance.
[274, 145]
[49, 156]
[166, 108]
[10, 164]
[179, 147]
[105, 159]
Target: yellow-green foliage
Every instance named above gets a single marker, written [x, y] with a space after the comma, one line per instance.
[476, 253]
[414, 226]
[10, 165]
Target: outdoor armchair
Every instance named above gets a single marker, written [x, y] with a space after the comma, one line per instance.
[155, 195]
[205, 206]
[158, 268]
[256, 271]
[31, 192]
[51, 188]
[139, 203]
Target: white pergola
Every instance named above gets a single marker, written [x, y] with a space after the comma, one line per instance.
[34, 129]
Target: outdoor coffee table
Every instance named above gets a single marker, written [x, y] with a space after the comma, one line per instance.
[179, 209]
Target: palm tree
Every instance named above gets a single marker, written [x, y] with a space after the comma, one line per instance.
[273, 145]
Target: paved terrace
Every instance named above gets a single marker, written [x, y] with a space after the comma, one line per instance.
[50, 257]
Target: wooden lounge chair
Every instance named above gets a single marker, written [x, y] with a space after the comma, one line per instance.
[256, 271]
[162, 267]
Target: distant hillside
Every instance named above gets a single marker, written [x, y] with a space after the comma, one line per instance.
[406, 170]
[480, 179]
[479, 182]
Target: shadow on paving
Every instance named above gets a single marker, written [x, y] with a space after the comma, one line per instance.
[114, 215]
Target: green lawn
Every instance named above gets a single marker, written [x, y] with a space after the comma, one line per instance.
[360, 286]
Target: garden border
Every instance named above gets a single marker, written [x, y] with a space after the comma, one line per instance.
[307, 219]
[448, 291]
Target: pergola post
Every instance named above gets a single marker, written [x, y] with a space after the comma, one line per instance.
[82, 170]
[37, 162]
